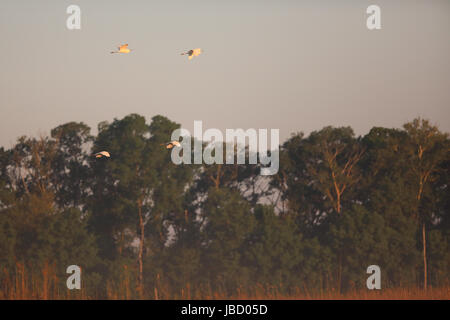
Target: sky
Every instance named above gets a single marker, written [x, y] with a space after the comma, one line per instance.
[285, 64]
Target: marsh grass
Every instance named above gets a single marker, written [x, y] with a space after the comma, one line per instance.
[45, 285]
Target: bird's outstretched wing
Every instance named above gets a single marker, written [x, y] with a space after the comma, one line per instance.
[193, 53]
[171, 144]
[102, 154]
[196, 52]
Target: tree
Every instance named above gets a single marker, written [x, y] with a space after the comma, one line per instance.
[428, 149]
[334, 165]
[71, 174]
[386, 189]
[121, 184]
[139, 177]
[320, 167]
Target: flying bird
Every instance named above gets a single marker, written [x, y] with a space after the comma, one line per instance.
[102, 154]
[171, 144]
[122, 49]
[192, 53]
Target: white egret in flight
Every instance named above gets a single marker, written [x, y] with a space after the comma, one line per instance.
[192, 53]
[122, 49]
[102, 154]
[171, 144]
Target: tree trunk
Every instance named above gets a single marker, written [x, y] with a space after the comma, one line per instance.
[424, 243]
[424, 257]
[216, 180]
[141, 250]
[339, 285]
[338, 202]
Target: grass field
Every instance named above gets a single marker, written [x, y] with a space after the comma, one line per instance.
[442, 293]
[47, 286]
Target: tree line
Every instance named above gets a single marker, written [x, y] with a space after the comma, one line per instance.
[140, 226]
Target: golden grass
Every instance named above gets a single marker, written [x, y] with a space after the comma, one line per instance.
[441, 293]
[46, 286]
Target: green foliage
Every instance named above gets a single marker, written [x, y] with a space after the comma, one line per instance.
[272, 249]
[228, 222]
[340, 203]
[7, 241]
[71, 171]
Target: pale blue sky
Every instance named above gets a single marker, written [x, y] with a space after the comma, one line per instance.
[292, 65]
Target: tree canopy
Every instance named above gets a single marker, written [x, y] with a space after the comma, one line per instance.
[140, 226]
